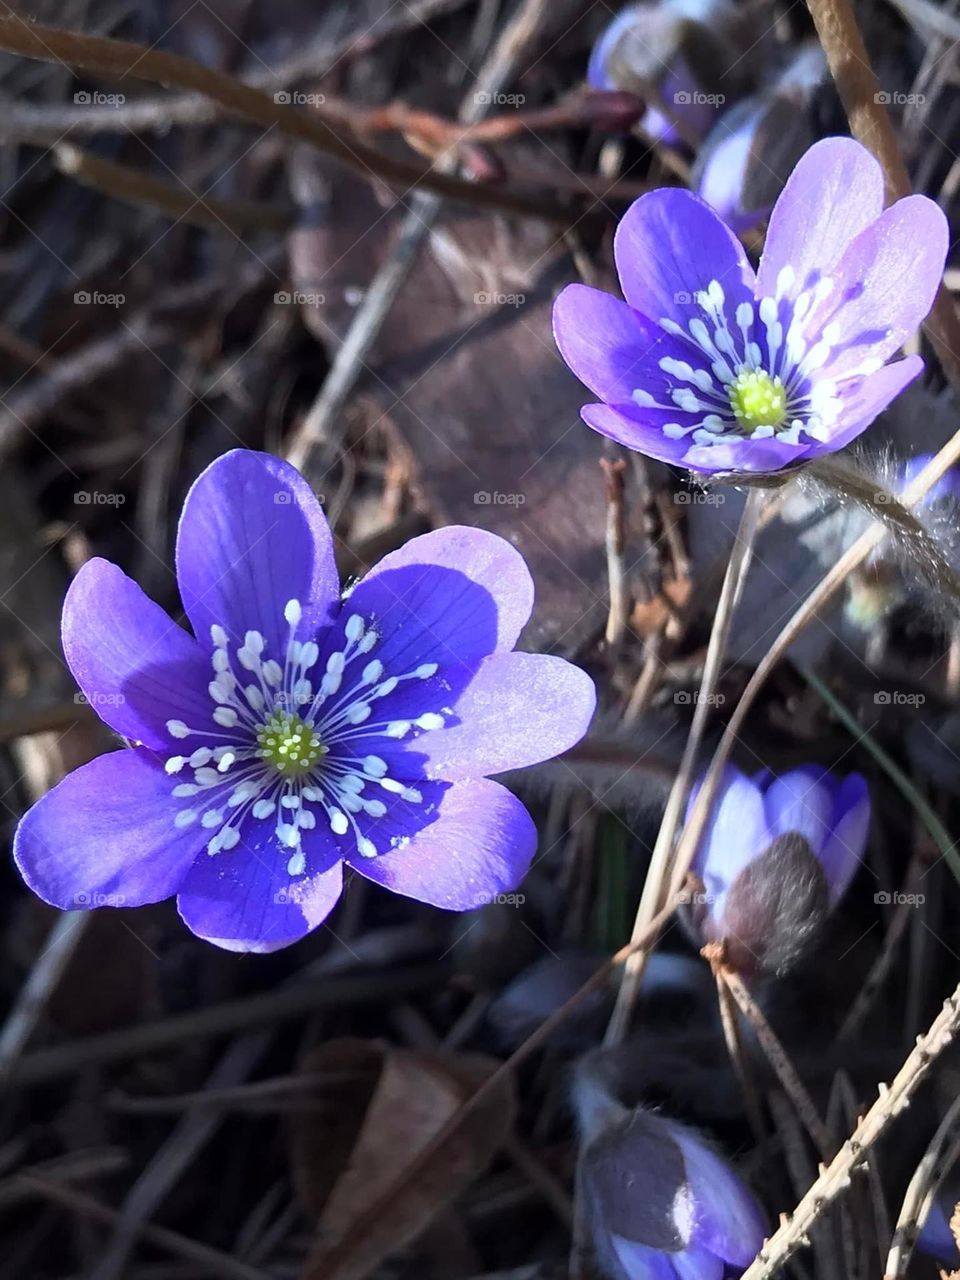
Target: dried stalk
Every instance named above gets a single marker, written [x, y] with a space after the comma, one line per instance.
[937, 1161]
[122, 58]
[322, 429]
[835, 1177]
[818, 599]
[658, 872]
[144, 191]
[793, 1086]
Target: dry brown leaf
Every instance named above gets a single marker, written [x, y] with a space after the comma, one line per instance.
[374, 1110]
[466, 381]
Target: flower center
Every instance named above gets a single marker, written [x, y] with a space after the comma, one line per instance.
[290, 744]
[754, 369]
[259, 761]
[758, 399]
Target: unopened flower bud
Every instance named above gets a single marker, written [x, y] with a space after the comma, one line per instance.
[776, 857]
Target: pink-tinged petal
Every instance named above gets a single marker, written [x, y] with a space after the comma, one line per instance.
[480, 842]
[834, 193]
[728, 1221]
[252, 537]
[884, 285]
[697, 1264]
[243, 899]
[737, 832]
[742, 454]
[612, 348]
[641, 429]
[668, 247]
[136, 667]
[519, 709]
[105, 835]
[842, 855]
[801, 801]
[642, 1263]
[451, 596]
[597, 75]
[864, 399]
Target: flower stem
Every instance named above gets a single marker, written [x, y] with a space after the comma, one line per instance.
[818, 599]
[793, 1086]
[660, 862]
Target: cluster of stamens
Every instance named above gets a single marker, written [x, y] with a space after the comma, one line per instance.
[286, 746]
[758, 378]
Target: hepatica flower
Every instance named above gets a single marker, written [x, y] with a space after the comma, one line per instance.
[673, 51]
[662, 1205]
[300, 730]
[715, 367]
[776, 857]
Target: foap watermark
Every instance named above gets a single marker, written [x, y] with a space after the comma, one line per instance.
[99, 699]
[897, 99]
[699, 498]
[298, 298]
[697, 898]
[94, 298]
[683, 297]
[97, 498]
[898, 698]
[487, 299]
[484, 498]
[694, 697]
[695, 98]
[98, 899]
[295, 98]
[483, 99]
[884, 898]
[94, 98]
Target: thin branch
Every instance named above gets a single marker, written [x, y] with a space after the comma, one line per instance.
[144, 191]
[172, 1242]
[321, 429]
[614, 470]
[793, 1086]
[122, 58]
[938, 1159]
[45, 123]
[835, 1177]
[741, 1065]
[658, 871]
[59, 949]
[531, 1045]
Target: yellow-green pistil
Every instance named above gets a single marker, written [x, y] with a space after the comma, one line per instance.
[758, 400]
[289, 744]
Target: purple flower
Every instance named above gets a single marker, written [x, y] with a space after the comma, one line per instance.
[777, 855]
[300, 730]
[714, 367]
[618, 62]
[663, 1206]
